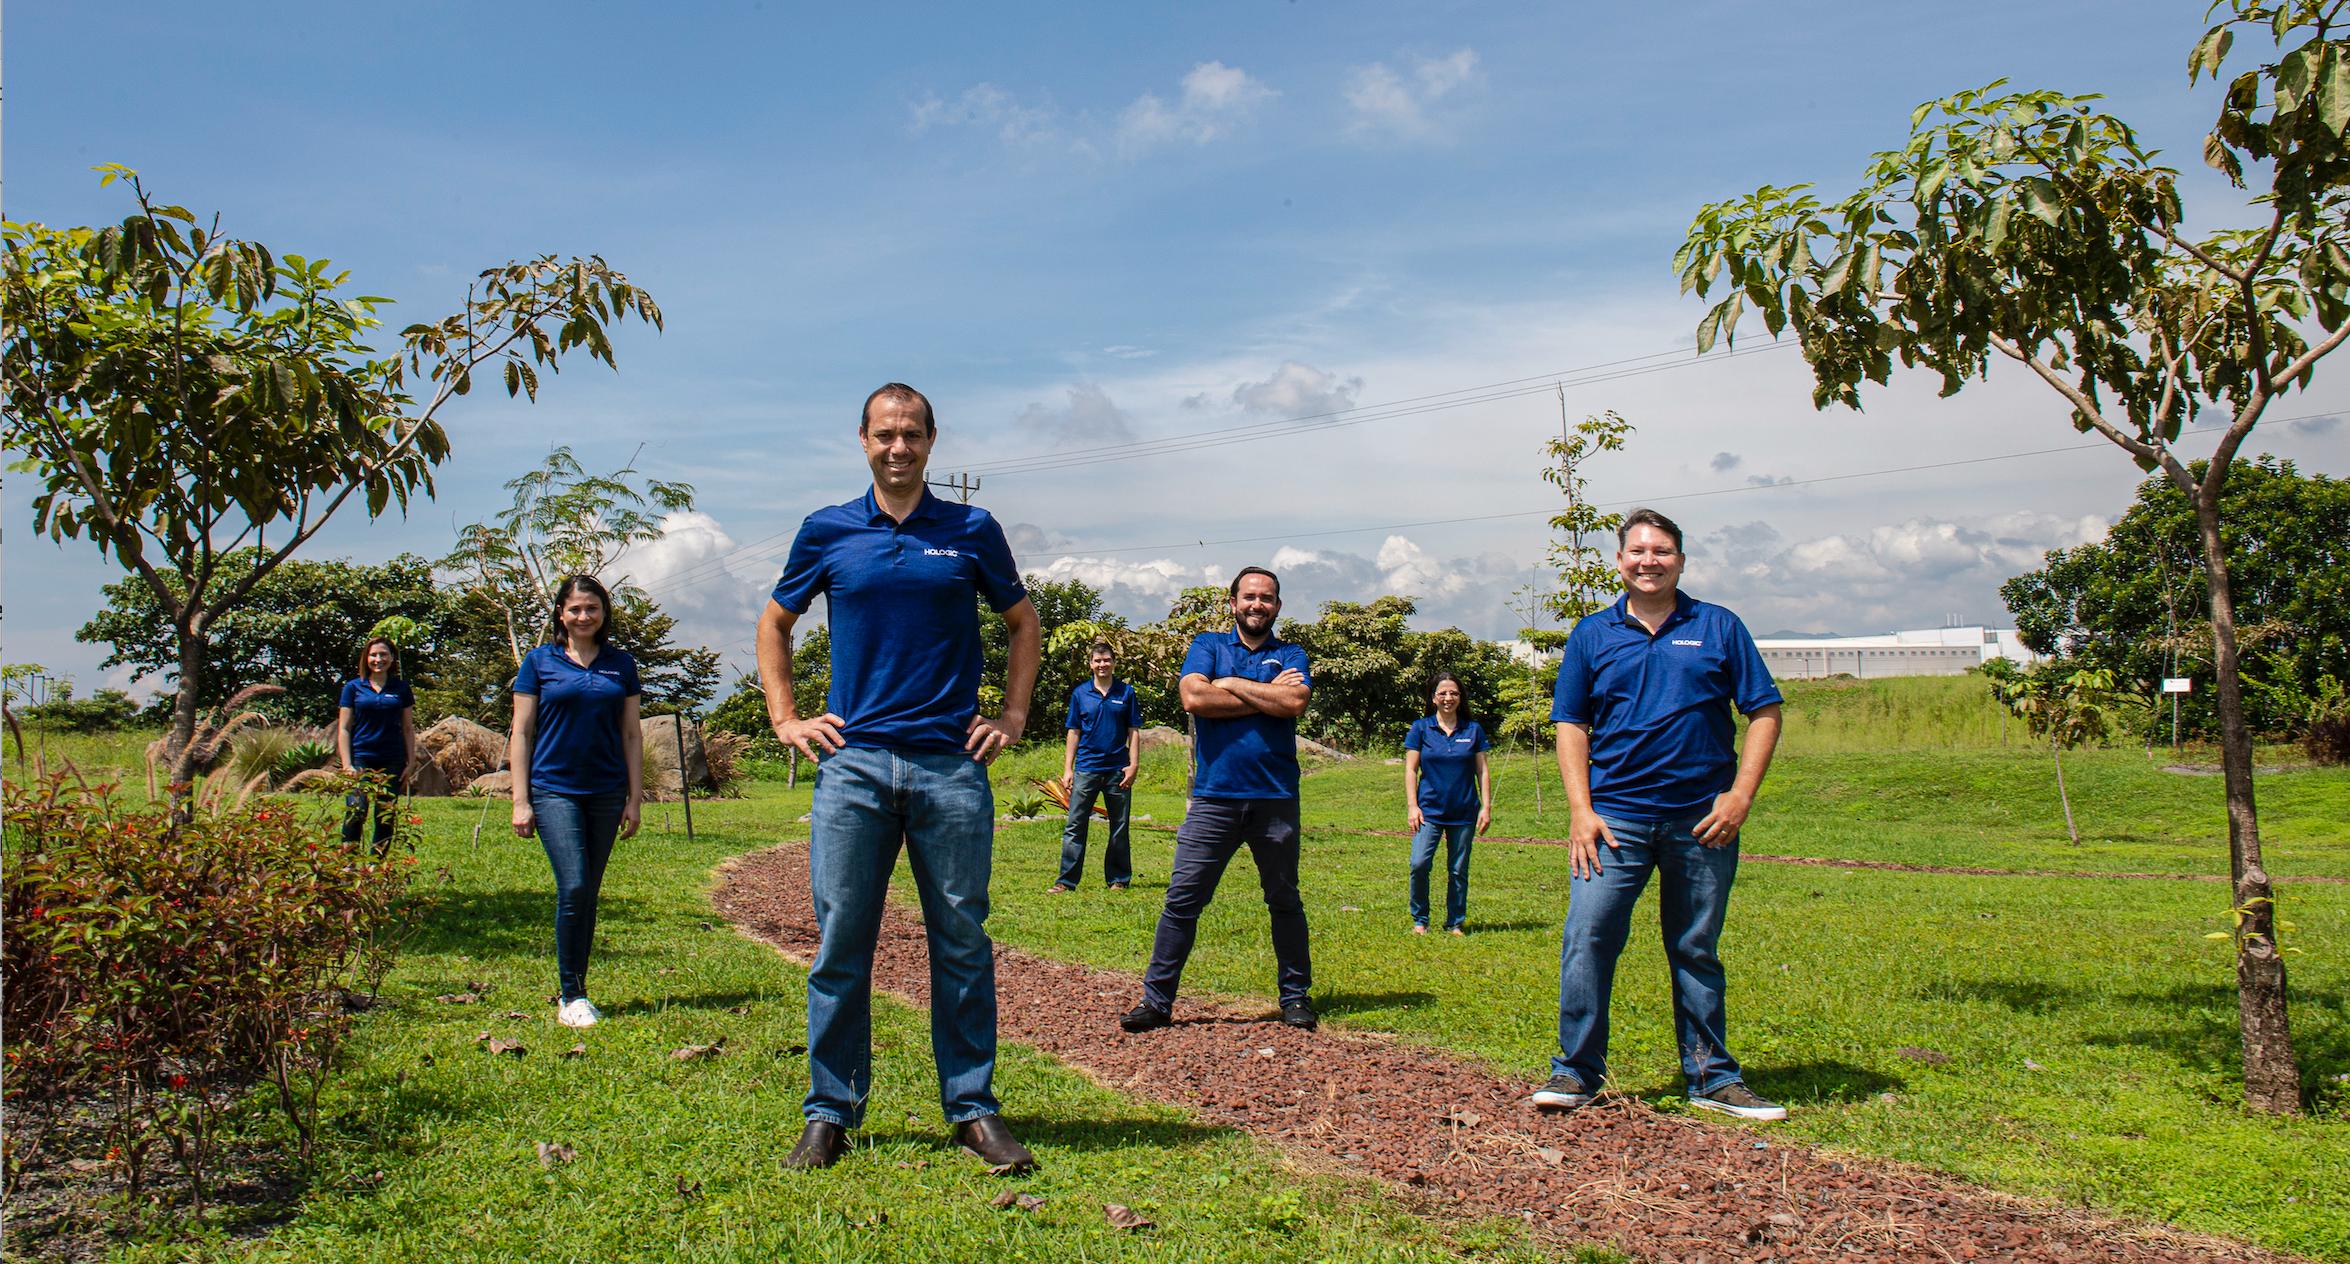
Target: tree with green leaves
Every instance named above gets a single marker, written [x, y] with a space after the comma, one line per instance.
[299, 626]
[2133, 603]
[2068, 704]
[180, 394]
[562, 521]
[1587, 579]
[2032, 229]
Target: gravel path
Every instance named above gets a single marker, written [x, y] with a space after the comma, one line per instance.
[1661, 1187]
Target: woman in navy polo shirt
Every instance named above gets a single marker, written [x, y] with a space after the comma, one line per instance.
[375, 731]
[578, 756]
[1449, 785]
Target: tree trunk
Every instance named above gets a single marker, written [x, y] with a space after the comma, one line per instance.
[2272, 1076]
[179, 750]
[2057, 749]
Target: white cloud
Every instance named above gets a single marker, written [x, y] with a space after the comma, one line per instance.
[2315, 426]
[987, 106]
[1215, 99]
[695, 573]
[1902, 574]
[1723, 462]
[1294, 390]
[1403, 104]
[1090, 418]
[1124, 352]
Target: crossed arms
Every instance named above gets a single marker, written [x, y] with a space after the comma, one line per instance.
[1283, 697]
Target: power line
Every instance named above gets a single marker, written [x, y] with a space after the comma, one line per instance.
[1418, 405]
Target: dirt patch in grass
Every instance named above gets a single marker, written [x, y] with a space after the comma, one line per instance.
[68, 1202]
[1658, 1186]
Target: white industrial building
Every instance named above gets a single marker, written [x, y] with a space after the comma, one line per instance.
[1922, 652]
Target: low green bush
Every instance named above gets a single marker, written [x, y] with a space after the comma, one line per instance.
[158, 969]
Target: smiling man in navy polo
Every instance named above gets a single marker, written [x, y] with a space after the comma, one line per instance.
[903, 754]
[1245, 688]
[1104, 752]
[1645, 744]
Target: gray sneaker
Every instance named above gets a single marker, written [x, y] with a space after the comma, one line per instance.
[1564, 1092]
[1737, 1099]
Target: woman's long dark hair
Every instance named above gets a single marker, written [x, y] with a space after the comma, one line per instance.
[556, 635]
[361, 670]
[1461, 715]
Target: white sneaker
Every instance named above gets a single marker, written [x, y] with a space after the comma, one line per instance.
[579, 1013]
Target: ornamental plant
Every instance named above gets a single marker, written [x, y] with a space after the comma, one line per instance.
[159, 969]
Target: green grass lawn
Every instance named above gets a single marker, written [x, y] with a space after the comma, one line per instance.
[2089, 1026]
[2107, 987]
[452, 1128]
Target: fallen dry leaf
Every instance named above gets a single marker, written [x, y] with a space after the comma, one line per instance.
[915, 1166]
[1465, 1118]
[1552, 1155]
[1266, 1052]
[576, 1051]
[1122, 1216]
[516, 1015]
[690, 1192]
[689, 1053]
[500, 1045]
[458, 998]
[551, 1154]
[1930, 1057]
[1014, 1198]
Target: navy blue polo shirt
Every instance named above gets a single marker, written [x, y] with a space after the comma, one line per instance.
[1102, 722]
[1659, 707]
[1252, 756]
[378, 737]
[906, 656]
[577, 747]
[1448, 769]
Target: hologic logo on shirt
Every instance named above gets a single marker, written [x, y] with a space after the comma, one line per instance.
[940, 553]
[1694, 643]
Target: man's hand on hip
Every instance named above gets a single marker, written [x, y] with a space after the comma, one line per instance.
[1720, 826]
[1584, 833]
[991, 734]
[815, 738]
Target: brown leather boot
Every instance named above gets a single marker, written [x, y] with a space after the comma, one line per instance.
[822, 1143]
[988, 1140]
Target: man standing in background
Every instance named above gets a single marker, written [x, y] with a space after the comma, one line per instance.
[1103, 754]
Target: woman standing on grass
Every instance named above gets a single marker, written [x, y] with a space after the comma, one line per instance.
[1449, 785]
[375, 732]
[578, 757]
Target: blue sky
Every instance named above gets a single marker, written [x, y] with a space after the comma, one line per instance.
[1087, 224]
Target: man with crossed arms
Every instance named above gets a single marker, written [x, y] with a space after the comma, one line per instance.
[1246, 689]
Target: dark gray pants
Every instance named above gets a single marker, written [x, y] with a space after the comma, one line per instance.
[1213, 831]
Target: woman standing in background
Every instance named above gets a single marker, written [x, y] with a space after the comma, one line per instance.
[578, 757]
[1449, 785]
[375, 732]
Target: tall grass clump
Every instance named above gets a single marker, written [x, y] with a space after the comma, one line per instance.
[1842, 715]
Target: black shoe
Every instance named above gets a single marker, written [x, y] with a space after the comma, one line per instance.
[1737, 1099]
[1300, 1014]
[1145, 1017]
[989, 1141]
[822, 1143]
[1564, 1092]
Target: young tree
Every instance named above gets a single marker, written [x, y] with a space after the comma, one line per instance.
[179, 394]
[2032, 228]
[1587, 575]
[2066, 704]
[563, 521]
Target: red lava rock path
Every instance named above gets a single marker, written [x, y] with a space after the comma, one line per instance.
[1897, 867]
[1660, 1187]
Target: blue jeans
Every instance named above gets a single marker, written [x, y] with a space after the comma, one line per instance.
[1692, 896]
[942, 809]
[1457, 840]
[577, 830]
[1213, 832]
[1118, 861]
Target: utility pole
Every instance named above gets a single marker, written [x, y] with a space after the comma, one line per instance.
[962, 485]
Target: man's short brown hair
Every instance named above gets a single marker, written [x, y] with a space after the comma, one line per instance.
[1648, 518]
[904, 394]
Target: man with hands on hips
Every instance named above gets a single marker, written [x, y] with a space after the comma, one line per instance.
[1646, 748]
[903, 754]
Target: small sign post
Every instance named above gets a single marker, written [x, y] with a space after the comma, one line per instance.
[2174, 686]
